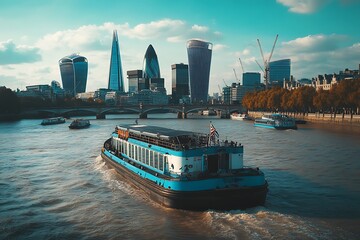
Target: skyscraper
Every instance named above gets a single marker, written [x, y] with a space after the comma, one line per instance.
[136, 81]
[199, 56]
[74, 70]
[151, 67]
[116, 81]
[251, 78]
[279, 71]
[180, 81]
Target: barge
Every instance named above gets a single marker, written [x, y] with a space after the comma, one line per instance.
[185, 170]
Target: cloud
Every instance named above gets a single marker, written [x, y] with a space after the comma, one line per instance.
[318, 54]
[218, 47]
[98, 37]
[12, 54]
[88, 37]
[303, 6]
[314, 43]
[154, 29]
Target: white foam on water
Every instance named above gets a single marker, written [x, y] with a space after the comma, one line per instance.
[115, 183]
[261, 223]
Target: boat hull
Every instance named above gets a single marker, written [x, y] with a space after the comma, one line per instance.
[217, 199]
[270, 126]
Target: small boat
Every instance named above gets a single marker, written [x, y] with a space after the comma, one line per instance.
[51, 121]
[275, 121]
[185, 170]
[79, 123]
[238, 116]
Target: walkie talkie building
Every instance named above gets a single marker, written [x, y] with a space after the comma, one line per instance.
[74, 70]
[116, 81]
[199, 56]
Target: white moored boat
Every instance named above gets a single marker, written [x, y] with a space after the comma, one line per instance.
[239, 116]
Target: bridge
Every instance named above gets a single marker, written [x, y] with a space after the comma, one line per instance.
[141, 109]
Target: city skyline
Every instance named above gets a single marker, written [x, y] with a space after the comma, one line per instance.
[318, 37]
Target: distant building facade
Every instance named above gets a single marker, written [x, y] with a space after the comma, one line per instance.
[74, 71]
[42, 91]
[199, 57]
[157, 84]
[151, 67]
[57, 90]
[136, 81]
[279, 71]
[180, 82]
[116, 81]
[251, 78]
[235, 93]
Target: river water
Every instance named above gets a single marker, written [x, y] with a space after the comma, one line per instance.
[54, 185]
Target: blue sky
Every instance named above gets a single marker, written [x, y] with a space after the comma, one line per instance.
[319, 36]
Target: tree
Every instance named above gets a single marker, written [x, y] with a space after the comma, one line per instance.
[9, 102]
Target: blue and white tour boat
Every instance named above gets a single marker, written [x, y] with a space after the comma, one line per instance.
[275, 121]
[183, 169]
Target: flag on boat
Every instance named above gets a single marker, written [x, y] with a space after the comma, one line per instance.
[213, 131]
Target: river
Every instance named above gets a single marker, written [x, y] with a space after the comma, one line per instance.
[54, 185]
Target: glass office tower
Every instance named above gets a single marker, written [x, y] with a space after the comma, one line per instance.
[251, 78]
[180, 81]
[116, 81]
[279, 71]
[151, 67]
[199, 56]
[74, 70]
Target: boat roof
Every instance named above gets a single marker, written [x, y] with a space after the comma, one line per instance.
[154, 130]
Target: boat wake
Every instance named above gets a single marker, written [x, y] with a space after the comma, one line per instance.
[260, 223]
[111, 177]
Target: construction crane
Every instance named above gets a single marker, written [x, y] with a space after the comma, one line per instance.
[266, 61]
[236, 75]
[241, 65]
[220, 91]
[225, 83]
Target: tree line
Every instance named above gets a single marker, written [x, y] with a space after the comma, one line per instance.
[343, 97]
[10, 103]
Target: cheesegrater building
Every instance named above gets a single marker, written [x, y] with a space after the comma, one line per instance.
[116, 81]
[74, 70]
[199, 56]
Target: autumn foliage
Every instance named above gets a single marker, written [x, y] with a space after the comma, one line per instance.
[342, 97]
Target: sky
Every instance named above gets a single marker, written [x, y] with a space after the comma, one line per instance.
[319, 36]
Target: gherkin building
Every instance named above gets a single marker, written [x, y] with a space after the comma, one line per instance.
[151, 67]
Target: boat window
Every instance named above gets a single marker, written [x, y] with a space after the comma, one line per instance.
[136, 155]
[147, 156]
[131, 151]
[143, 155]
[166, 167]
[156, 159]
[151, 158]
[161, 162]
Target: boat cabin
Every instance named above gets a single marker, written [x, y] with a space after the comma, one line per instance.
[176, 153]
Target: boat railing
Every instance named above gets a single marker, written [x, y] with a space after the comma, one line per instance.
[176, 143]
